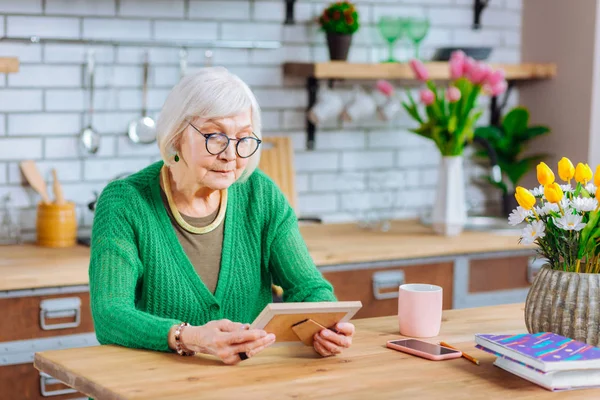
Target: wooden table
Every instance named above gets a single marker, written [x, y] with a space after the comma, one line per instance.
[366, 370]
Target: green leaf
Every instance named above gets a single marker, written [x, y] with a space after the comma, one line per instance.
[516, 170]
[515, 121]
[586, 232]
[490, 133]
[532, 132]
[452, 124]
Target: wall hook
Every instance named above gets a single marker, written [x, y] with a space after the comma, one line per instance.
[478, 6]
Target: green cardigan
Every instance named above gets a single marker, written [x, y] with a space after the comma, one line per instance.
[142, 283]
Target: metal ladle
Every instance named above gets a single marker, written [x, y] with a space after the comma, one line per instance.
[143, 130]
[90, 139]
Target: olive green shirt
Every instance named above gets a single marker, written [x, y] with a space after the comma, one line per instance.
[203, 249]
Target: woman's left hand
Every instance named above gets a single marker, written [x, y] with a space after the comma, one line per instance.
[329, 343]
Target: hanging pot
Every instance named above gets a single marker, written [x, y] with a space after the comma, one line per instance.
[339, 45]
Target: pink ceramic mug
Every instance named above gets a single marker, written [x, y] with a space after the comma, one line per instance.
[419, 310]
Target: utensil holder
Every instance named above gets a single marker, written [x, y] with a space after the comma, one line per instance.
[56, 225]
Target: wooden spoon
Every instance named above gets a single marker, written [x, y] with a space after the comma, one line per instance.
[33, 176]
[58, 193]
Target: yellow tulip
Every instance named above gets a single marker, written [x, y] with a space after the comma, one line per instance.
[583, 173]
[598, 193]
[553, 193]
[566, 170]
[544, 174]
[525, 198]
[597, 176]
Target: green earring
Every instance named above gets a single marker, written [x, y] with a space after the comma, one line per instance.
[176, 157]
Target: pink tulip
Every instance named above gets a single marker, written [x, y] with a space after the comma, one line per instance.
[468, 65]
[427, 97]
[385, 87]
[419, 70]
[498, 88]
[453, 94]
[457, 62]
[479, 73]
[495, 77]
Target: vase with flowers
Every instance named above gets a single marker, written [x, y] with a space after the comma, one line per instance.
[562, 220]
[339, 21]
[449, 118]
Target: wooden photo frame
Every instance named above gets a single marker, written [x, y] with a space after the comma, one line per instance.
[298, 322]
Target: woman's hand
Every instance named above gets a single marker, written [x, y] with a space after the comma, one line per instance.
[226, 339]
[329, 343]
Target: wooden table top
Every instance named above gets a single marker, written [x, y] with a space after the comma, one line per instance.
[367, 369]
[29, 266]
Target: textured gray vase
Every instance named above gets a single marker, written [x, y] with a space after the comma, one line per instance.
[565, 303]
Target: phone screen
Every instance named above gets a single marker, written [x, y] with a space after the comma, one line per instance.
[418, 345]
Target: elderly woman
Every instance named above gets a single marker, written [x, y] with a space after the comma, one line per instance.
[184, 252]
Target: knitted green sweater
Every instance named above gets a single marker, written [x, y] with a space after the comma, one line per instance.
[142, 283]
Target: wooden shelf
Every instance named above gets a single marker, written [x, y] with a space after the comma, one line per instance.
[9, 65]
[402, 71]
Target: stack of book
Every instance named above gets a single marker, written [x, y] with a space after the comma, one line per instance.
[546, 359]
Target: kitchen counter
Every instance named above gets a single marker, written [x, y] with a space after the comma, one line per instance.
[31, 267]
[367, 369]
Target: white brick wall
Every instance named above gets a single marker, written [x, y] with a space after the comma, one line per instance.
[355, 166]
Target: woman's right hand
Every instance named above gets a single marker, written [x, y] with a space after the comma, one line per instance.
[226, 339]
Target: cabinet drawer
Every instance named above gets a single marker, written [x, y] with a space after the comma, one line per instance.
[24, 382]
[32, 317]
[498, 274]
[358, 285]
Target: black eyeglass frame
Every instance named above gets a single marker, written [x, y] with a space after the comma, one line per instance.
[209, 135]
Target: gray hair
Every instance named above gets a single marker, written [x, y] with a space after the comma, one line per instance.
[208, 93]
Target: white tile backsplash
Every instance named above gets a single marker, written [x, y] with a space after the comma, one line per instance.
[80, 7]
[225, 10]
[21, 7]
[186, 30]
[43, 124]
[53, 27]
[157, 8]
[354, 167]
[114, 29]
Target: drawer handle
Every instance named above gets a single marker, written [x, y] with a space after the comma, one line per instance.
[60, 308]
[387, 280]
[47, 380]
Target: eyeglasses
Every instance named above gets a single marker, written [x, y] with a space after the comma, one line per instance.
[216, 143]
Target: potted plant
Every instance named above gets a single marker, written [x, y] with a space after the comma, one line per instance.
[510, 140]
[449, 121]
[563, 221]
[339, 21]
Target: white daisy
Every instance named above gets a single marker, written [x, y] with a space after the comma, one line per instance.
[538, 191]
[570, 222]
[546, 208]
[591, 188]
[533, 231]
[583, 204]
[565, 203]
[566, 187]
[518, 215]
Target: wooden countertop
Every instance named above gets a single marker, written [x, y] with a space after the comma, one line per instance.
[366, 369]
[29, 266]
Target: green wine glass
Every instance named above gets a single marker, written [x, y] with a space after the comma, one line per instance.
[416, 31]
[391, 30]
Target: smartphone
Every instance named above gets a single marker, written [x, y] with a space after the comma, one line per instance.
[423, 349]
